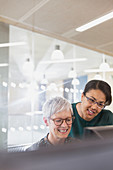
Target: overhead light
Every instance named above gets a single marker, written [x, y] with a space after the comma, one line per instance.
[28, 67]
[4, 84]
[72, 73]
[57, 54]
[4, 64]
[104, 66]
[95, 22]
[12, 44]
[13, 85]
[97, 76]
[63, 61]
[75, 81]
[4, 130]
[52, 86]
[44, 80]
[66, 90]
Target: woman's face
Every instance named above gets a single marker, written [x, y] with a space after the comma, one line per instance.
[59, 132]
[92, 103]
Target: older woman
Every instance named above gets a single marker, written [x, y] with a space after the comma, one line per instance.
[58, 115]
[91, 110]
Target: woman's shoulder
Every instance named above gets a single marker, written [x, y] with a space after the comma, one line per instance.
[107, 116]
[36, 145]
[106, 111]
[33, 147]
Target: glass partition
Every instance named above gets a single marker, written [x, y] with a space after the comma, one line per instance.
[33, 76]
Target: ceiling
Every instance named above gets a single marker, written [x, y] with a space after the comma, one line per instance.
[59, 19]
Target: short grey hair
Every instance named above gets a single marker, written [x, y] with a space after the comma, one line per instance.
[55, 105]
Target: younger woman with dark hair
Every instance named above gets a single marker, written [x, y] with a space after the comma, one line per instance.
[91, 110]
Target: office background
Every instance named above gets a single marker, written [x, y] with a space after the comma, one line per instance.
[29, 74]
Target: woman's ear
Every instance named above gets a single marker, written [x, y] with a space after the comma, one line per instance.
[45, 121]
[82, 95]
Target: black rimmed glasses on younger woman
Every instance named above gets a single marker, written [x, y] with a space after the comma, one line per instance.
[59, 121]
[92, 101]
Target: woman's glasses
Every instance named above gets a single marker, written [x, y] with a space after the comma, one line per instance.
[59, 121]
[92, 101]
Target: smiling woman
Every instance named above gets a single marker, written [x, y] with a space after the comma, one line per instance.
[58, 115]
[90, 111]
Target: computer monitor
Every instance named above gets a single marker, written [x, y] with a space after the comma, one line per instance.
[98, 132]
[83, 156]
